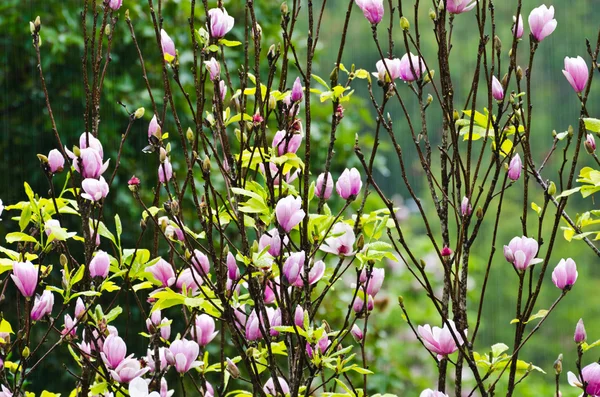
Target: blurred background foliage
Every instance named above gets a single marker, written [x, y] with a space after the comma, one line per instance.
[400, 364]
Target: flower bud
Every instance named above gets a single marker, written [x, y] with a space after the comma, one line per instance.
[139, 113]
[163, 155]
[25, 352]
[590, 144]
[558, 364]
[580, 334]
[432, 14]
[233, 369]
[357, 333]
[519, 73]
[37, 22]
[552, 189]
[284, 8]
[404, 23]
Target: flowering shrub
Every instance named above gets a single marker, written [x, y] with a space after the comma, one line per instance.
[245, 240]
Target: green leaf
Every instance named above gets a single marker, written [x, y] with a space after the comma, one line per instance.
[213, 48]
[152, 210]
[18, 236]
[320, 81]
[569, 192]
[25, 217]
[229, 43]
[592, 124]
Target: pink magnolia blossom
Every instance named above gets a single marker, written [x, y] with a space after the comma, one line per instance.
[460, 6]
[214, 68]
[220, 22]
[69, 327]
[324, 189]
[233, 271]
[139, 388]
[497, 90]
[95, 190]
[289, 212]
[297, 92]
[440, 340]
[286, 143]
[375, 281]
[114, 351]
[115, 4]
[165, 171]
[580, 334]
[565, 274]
[253, 331]
[293, 265]
[56, 161]
[183, 355]
[189, 279]
[359, 302]
[465, 207]
[100, 264]
[79, 308]
[25, 277]
[408, 63]
[42, 306]
[341, 240]
[128, 370]
[514, 168]
[432, 393]
[542, 22]
[154, 128]
[163, 272]
[591, 376]
[521, 252]
[270, 387]
[299, 317]
[518, 24]
[391, 73]
[5, 390]
[357, 333]
[200, 262]
[349, 184]
[153, 361]
[372, 9]
[204, 329]
[577, 73]
[168, 46]
[272, 240]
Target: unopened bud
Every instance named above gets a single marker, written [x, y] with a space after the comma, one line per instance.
[361, 242]
[31, 27]
[63, 260]
[422, 263]
[43, 159]
[505, 80]
[272, 102]
[284, 8]
[271, 53]
[233, 369]
[189, 134]
[432, 14]
[479, 213]
[441, 6]
[76, 151]
[107, 30]
[558, 364]
[429, 99]
[519, 73]
[455, 115]
[570, 130]
[163, 155]
[206, 164]
[404, 23]
[38, 22]
[139, 113]
[25, 352]
[552, 189]
[429, 76]
[175, 207]
[497, 43]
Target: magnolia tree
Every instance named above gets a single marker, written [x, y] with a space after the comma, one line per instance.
[243, 246]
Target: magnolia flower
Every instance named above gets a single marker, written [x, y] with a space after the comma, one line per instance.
[341, 240]
[100, 264]
[565, 274]
[114, 351]
[220, 22]
[153, 361]
[204, 329]
[410, 63]
[289, 212]
[165, 171]
[391, 73]
[271, 388]
[214, 68]
[183, 355]
[285, 143]
[42, 306]
[79, 308]
[25, 277]
[163, 272]
[497, 90]
[200, 262]
[591, 376]
[514, 168]
[253, 327]
[272, 240]
[5, 391]
[576, 72]
[465, 207]
[357, 333]
[139, 388]
[56, 161]
[115, 4]
[372, 9]
[293, 266]
[521, 252]
[154, 128]
[168, 47]
[359, 302]
[69, 327]
[374, 282]
[297, 92]
[95, 190]
[324, 189]
[128, 370]
[518, 24]
[429, 392]
[460, 6]
[580, 334]
[440, 340]
[349, 184]
[542, 22]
